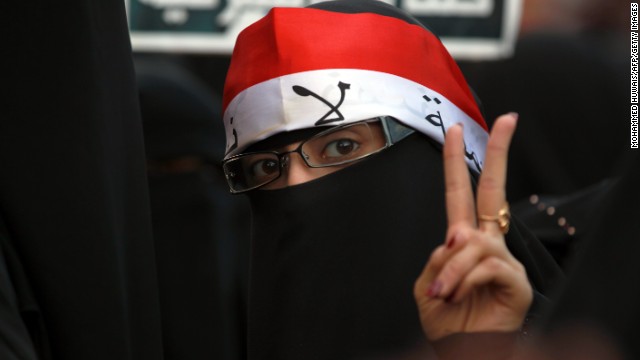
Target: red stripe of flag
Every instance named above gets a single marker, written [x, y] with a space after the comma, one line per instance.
[292, 40]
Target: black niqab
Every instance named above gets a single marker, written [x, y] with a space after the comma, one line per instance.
[334, 260]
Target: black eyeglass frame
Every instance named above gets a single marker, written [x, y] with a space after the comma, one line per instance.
[393, 130]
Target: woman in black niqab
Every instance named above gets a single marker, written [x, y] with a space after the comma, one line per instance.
[334, 260]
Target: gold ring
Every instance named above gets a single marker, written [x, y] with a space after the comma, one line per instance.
[503, 218]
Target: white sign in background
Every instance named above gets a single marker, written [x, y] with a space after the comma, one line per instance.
[166, 25]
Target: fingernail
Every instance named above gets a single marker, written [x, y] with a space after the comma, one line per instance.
[515, 115]
[451, 242]
[434, 289]
[460, 124]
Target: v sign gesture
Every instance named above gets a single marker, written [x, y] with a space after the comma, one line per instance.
[472, 283]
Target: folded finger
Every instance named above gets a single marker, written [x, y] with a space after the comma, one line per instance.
[462, 262]
[499, 275]
[423, 284]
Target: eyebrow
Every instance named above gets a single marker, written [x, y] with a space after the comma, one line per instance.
[283, 139]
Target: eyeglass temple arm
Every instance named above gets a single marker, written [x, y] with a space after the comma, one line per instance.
[395, 130]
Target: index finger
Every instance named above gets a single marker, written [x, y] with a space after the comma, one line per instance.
[458, 193]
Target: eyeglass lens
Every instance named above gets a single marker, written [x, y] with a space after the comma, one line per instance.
[337, 146]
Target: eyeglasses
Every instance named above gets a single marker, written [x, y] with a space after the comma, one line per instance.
[336, 146]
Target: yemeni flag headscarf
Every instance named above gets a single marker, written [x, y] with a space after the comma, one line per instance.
[333, 260]
[302, 68]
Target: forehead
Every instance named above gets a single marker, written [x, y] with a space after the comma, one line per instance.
[281, 140]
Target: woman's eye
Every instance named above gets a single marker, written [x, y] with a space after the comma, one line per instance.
[340, 148]
[264, 168]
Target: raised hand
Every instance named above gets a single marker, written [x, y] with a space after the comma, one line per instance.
[472, 283]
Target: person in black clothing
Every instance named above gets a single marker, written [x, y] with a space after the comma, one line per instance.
[335, 115]
[77, 257]
[199, 229]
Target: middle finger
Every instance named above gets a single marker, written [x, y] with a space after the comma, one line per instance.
[491, 186]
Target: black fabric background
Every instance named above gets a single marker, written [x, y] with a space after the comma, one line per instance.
[602, 290]
[22, 333]
[571, 94]
[73, 187]
[200, 230]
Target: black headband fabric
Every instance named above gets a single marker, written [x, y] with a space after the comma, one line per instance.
[367, 6]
